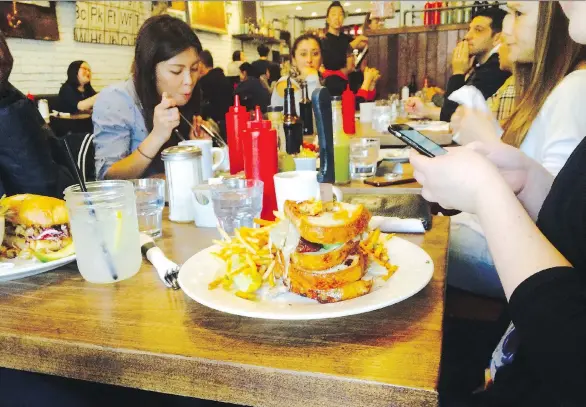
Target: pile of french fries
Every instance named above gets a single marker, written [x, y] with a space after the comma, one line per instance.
[250, 262]
[374, 247]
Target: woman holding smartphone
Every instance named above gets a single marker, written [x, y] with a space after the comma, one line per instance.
[536, 234]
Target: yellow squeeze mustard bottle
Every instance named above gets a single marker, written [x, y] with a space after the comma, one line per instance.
[341, 144]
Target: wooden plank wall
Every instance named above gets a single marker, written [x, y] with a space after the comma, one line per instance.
[425, 54]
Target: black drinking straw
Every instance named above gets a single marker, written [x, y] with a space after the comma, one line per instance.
[105, 251]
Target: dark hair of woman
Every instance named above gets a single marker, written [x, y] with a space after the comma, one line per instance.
[249, 69]
[72, 76]
[335, 4]
[6, 61]
[274, 73]
[159, 39]
[304, 37]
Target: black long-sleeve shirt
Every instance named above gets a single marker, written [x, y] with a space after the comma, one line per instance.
[217, 95]
[549, 308]
[70, 96]
[549, 369]
[26, 163]
[487, 78]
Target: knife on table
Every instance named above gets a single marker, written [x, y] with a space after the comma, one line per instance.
[321, 100]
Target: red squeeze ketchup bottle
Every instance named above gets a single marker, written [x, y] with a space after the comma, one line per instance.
[261, 159]
[427, 14]
[349, 111]
[236, 119]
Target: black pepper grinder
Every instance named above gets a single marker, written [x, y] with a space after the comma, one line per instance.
[292, 124]
[306, 111]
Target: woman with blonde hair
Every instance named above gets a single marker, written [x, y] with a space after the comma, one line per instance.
[547, 123]
[535, 229]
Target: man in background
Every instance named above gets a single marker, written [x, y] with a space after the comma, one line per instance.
[475, 62]
[251, 90]
[216, 90]
[238, 59]
[262, 64]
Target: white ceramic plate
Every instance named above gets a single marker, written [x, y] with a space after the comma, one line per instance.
[414, 272]
[27, 268]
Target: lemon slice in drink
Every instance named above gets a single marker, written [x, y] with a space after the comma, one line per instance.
[118, 230]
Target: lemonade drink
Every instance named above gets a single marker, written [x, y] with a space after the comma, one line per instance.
[104, 228]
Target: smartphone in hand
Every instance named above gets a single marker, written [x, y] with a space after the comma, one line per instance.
[416, 140]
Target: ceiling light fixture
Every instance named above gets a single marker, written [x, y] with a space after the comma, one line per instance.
[298, 8]
[347, 4]
[313, 14]
[358, 10]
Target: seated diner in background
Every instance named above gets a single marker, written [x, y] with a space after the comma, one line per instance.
[135, 120]
[362, 82]
[306, 60]
[251, 90]
[238, 58]
[77, 94]
[216, 91]
[475, 62]
[262, 64]
[26, 164]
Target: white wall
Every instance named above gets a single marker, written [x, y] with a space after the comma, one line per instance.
[41, 66]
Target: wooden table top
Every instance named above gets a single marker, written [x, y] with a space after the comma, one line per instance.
[139, 334]
[359, 187]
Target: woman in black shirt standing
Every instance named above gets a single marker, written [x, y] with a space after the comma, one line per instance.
[77, 94]
[337, 49]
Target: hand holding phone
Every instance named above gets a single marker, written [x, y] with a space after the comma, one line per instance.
[415, 139]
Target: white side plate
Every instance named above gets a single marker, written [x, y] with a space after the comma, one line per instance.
[26, 268]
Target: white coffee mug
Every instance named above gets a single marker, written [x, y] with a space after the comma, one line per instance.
[366, 112]
[225, 165]
[298, 186]
[211, 157]
[203, 213]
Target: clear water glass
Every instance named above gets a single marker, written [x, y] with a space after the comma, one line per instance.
[363, 157]
[237, 202]
[150, 202]
[104, 228]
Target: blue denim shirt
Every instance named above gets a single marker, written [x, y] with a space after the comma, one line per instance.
[119, 125]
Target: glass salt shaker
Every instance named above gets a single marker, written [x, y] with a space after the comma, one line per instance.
[183, 169]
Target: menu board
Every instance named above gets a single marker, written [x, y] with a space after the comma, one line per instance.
[108, 22]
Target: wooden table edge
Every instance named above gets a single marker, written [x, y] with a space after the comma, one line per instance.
[273, 387]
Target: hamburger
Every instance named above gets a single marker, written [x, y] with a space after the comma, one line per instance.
[327, 264]
[36, 223]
